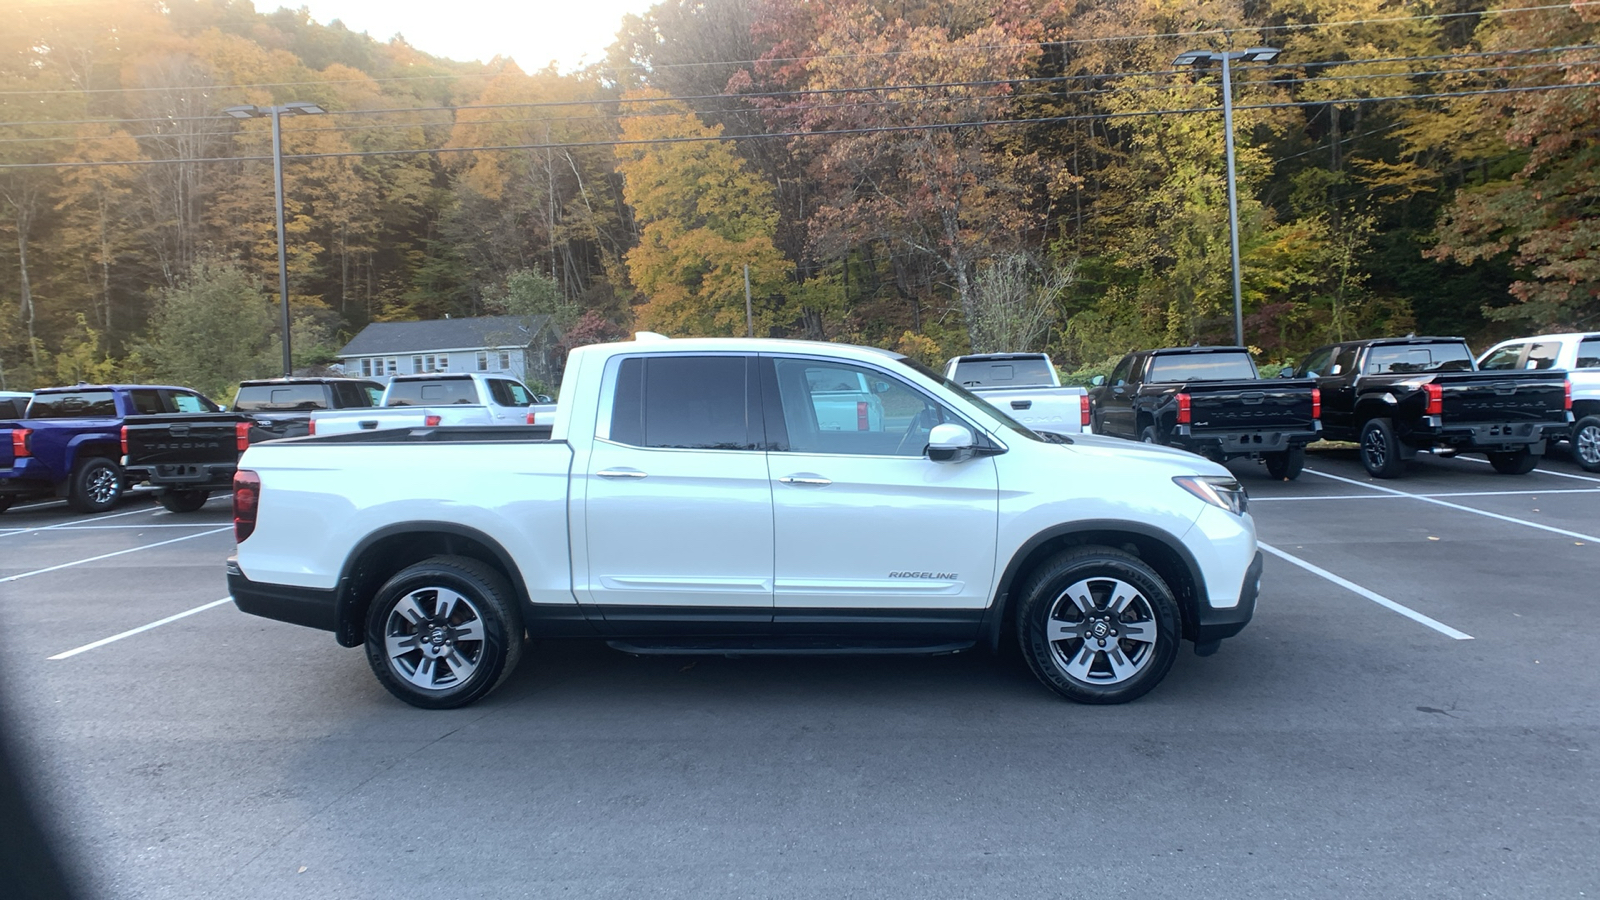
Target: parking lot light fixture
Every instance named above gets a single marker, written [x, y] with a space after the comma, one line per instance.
[1201, 59]
[276, 114]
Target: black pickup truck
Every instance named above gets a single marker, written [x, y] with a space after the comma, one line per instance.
[189, 456]
[1211, 401]
[1398, 396]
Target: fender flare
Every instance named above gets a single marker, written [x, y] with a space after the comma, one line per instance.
[1000, 607]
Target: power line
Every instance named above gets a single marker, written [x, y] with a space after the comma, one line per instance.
[842, 132]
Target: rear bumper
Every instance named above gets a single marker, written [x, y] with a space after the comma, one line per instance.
[1493, 436]
[185, 475]
[311, 607]
[1240, 443]
[1213, 624]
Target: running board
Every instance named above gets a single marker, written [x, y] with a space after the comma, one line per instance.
[784, 647]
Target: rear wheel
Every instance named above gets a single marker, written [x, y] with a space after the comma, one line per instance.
[1098, 625]
[444, 632]
[1286, 466]
[1586, 443]
[1380, 449]
[1517, 462]
[183, 501]
[1148, 435]
[95, 486]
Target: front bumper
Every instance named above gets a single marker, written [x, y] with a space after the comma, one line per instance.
[1213, 624]
[311, 607]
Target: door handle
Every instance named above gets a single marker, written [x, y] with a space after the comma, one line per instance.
[815, 480]
[1022, 404]
[621, 473]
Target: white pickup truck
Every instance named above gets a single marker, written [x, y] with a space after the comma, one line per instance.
[1579, 355]
[1025, 387]
[690, 500]
[421, 401]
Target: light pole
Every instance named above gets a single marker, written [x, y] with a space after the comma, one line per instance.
[1202, 59]
[276, 113]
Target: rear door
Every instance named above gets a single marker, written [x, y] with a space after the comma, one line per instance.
[676, 510]
[508, 401]
[867, 529]
[1116, 400]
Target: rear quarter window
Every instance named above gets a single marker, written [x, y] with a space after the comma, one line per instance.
[71, 405]
[1588, 354]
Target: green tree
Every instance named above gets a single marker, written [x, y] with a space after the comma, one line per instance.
[212, 330]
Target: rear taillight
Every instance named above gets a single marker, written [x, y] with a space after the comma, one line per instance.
[533, 418]
[246, 501]
[861, 415]
[1316, 403]
[22, 442]
[1435, 399]
[1083, 411]
[241, 436]
[1568, 384]
[431, 421]
[124, 440]
[312, 427]
[1183, 409]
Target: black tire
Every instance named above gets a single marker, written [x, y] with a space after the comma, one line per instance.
[96, 485]
[1517, 462]
[1380, 449]
[1586, 443]
[183, 501]
[482, 604]
[1286, 466]
[5, 503]
[1057, 633]
[1149, 436]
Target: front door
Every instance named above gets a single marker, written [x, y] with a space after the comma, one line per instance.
[869, 533]
[677, 510]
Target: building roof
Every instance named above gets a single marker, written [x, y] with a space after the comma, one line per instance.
[388, 338]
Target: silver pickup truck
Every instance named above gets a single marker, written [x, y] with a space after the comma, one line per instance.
[1025, 387]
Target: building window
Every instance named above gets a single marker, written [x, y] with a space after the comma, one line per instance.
[394, 366]
[442, 364]
[366, 367]
[483, 361]
[505, 360]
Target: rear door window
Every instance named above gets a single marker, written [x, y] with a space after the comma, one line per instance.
[1542, 355]
[509, 393]
[74, 404]
[683, 402]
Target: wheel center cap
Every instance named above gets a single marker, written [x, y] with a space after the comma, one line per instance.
[1100, 629]
[437, 637]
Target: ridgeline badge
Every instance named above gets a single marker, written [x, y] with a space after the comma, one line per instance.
[937, 576]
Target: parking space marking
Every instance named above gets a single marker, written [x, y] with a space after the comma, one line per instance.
[79, 562]
[131, 512]
[140, 630]
[1377, 598]
[1474, 459]
[1478, 512]
[1255, 500]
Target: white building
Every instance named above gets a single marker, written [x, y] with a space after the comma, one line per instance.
[521, 346]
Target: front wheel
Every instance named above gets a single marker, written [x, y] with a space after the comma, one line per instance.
[183, 501]
[1148, 435]
[1517, 462]
[96, 485]
[1380, 449]
[444, 632]
[1286, 466]
[1097, 625]
[1586, 443]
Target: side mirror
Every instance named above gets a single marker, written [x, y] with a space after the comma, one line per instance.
[1097, 381]
[1286, 373]
[951, 443]
[880, 387]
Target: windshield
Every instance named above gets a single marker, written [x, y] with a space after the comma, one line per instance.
[1022, 371]
[1409, 359]
[1177, 367]
[1000, 418]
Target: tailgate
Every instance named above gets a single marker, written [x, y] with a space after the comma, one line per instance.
[1484, 397]
[187, 440]
[1043, 409]
[1266, 405]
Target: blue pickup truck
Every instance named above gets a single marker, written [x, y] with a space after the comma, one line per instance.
[69, 441]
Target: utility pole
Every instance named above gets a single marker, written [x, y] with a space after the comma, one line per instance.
[749, 317]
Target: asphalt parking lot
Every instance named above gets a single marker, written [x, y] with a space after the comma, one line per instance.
[1414, 712]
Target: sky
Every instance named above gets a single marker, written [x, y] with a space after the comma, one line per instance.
[533, 32]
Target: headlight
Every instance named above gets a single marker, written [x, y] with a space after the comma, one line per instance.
[1218, 490]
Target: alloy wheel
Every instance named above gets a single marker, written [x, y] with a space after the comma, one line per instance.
[1102, 631]
[434, 638]
[1586, 444]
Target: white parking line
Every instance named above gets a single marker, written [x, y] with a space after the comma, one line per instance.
[1255, 500]
[1479, 512]
[1540, 471]
[141, 629]
[79, 562]
[71, 522]
[1379, 599]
